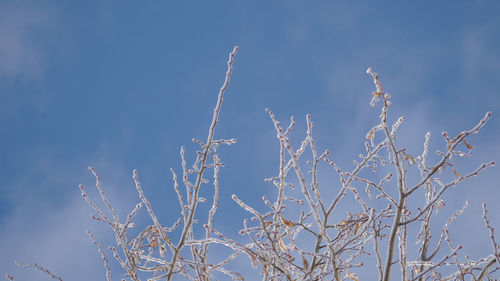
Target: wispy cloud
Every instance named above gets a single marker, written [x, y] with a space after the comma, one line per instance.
[21, 49]
[47, 224]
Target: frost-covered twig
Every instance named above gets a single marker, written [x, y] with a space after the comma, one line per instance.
[40, 268]
[103, 255]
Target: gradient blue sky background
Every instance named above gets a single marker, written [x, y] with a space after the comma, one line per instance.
[122, 85]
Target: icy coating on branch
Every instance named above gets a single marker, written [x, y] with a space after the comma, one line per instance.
[313, 244]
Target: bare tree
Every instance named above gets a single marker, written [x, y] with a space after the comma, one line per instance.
[314, 245]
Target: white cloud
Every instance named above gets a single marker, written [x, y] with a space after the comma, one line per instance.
[21, 52]
[47, 224]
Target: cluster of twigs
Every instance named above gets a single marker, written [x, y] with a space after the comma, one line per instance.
[153, 251]
[342, 247]
[336, 250]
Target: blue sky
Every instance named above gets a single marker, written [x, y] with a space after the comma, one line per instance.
[121, 86]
